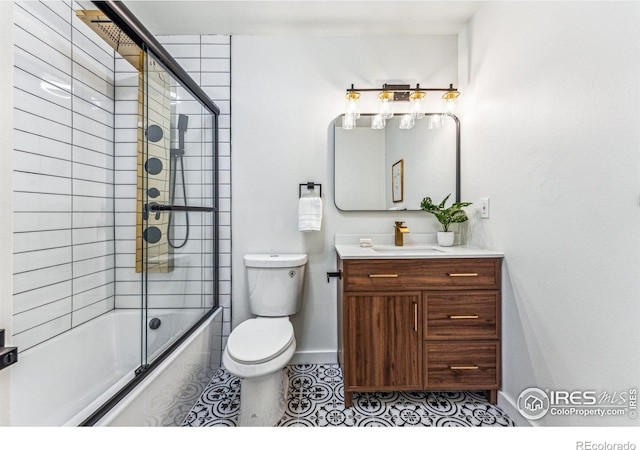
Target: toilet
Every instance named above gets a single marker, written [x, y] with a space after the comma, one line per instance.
[258, 349]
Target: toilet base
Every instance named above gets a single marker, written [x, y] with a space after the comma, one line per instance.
[263, 399]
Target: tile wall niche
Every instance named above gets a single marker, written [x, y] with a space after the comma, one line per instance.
[74, 169]
[63, 172]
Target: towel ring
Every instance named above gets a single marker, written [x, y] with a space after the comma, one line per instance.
[310, 185]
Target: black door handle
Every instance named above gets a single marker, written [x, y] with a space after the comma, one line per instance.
[8, 355]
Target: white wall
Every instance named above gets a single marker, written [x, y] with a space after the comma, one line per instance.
[6, 203]
[286, 92]
[550, 133]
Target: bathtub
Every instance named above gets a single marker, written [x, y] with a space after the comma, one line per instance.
[62, 381]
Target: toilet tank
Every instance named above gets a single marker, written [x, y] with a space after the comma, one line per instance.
[275, 283]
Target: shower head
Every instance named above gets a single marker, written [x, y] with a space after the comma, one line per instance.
[112, 35]
[183, 122]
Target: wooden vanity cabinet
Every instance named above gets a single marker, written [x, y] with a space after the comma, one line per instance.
[384, 340]
[419, 324]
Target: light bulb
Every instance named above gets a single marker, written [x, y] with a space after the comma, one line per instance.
[386, 104]
[450, 98]
[351, 103]
[417, 107]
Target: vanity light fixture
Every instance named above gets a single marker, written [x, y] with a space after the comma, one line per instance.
[385, 108]
[417, 107]
[351, 103]
[351, 113]
[451, 98]
[390, 94]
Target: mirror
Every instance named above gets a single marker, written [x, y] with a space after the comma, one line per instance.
[394, 169]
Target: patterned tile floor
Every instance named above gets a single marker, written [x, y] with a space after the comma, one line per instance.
[315, 399]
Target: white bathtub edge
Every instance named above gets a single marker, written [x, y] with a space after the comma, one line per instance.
[117, 416]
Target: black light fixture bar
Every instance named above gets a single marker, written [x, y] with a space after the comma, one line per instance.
[401, 88]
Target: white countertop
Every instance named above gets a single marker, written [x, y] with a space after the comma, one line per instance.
[418, 247]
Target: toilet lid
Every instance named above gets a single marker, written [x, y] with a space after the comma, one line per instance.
[258, 340]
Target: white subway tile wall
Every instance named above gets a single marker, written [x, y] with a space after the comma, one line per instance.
[75, 119]
[63, 172]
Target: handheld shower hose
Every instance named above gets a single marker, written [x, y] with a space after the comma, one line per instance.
[177, 156]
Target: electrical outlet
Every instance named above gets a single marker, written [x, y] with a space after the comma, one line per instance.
[484, 207]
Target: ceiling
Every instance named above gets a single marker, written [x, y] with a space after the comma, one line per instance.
[303, 17]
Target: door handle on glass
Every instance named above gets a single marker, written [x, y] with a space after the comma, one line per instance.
[8, 355]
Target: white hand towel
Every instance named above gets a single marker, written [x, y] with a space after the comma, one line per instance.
[309, 213]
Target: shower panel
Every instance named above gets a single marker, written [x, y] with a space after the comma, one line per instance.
[153, 253]
[154, 114]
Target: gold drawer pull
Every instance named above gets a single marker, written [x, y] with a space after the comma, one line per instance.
[474, 367]
[474, 316]
[383, 275]
[472, 274]
[415, 317]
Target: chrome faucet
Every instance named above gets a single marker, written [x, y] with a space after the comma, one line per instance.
[400, 230]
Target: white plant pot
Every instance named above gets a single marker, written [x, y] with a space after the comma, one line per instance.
[445, 238]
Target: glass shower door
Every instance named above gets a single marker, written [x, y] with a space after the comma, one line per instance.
[176, 231]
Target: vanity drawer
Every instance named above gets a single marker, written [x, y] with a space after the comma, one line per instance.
[417, 274]
[461, 315]
[460, 365]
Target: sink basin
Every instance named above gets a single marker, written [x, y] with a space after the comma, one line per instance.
[415, 250]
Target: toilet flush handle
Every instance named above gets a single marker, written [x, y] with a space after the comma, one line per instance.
[337, 274]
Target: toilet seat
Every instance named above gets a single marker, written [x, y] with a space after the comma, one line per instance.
[255, 341]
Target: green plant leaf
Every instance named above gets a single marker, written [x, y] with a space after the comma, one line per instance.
[441, 205]
[446, 216]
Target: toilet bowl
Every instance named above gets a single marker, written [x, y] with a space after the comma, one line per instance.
[257, 352]
[259, 349]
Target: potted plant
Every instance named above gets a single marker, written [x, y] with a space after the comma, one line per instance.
[446, 216]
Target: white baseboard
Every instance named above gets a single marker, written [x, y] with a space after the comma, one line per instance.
[315, 357]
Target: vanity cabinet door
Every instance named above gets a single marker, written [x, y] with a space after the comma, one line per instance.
[382, 341]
